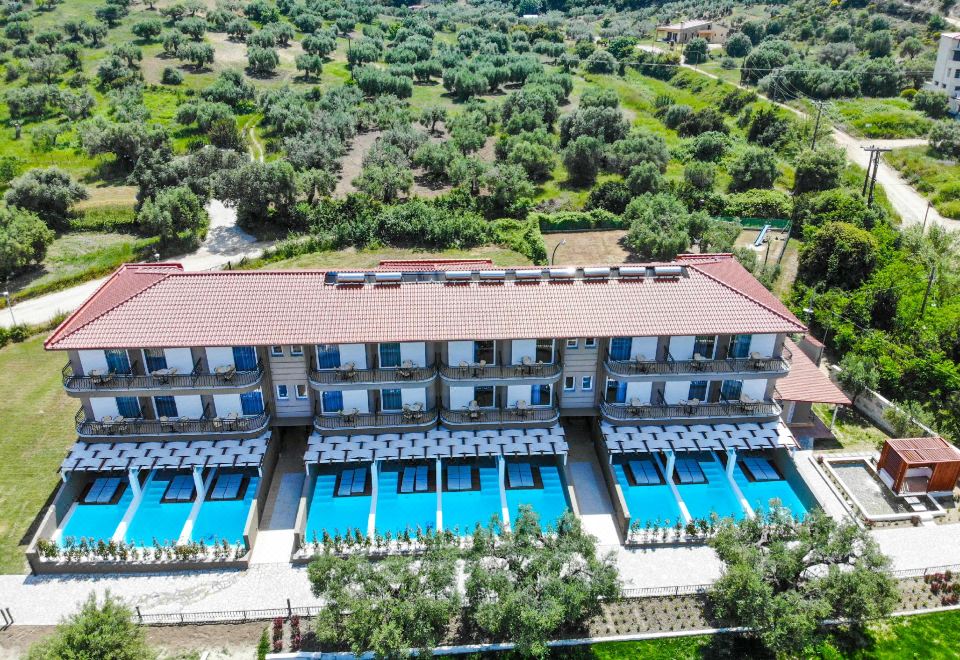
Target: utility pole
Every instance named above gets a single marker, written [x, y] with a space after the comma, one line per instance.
[933, 274]
[866, 179]
[816, 126]
[925, 214]
[872, 168]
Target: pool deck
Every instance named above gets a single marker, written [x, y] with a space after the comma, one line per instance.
[817, 482]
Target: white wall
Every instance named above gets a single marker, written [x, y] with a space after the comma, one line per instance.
[411, 395]
[415, 351]
[522, 348]
[356, 353]
[226, 404]
[640, 391]
[219, 356]
[103, 406]
[460, 397]
[356, 399]
[189, 406]
[755, 389]
[180, 359]
[517, 393]
[676, 391]
[681, 348]
[763, 344]
[459, 351]
[92, 360]
[645, 346]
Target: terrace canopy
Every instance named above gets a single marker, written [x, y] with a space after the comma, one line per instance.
[699, 437]
[919, 465]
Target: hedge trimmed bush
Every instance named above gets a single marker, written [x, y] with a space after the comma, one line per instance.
[574, 220]
[117, 218]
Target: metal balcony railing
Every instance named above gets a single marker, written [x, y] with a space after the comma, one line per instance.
[343, 376]
[616, 412]
[499, 416]
[161, 380]
[725, 367]
[381, 420]
[122, 426]
[500, 372]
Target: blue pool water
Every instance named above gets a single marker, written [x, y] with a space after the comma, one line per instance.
[715, 496]
[401, 511]
[648, 502]
[759, 493]
[550, 502]
[462, 510]
[220, 520]
[96, 521]
[154, 519]
[335, 514]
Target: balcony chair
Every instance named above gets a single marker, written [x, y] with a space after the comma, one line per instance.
[406, 369]
[226, 372]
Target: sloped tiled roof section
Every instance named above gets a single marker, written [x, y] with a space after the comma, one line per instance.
[807, 383]
[231, 308]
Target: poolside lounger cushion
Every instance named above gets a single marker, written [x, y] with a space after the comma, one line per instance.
[227, 486]
[761, 469]
[459, 478]
[645, 473]
[352, 482]
[520, 475]
[180, 489]
[102, 491]
[688, 471]
[414, 479]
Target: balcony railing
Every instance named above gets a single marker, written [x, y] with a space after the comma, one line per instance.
[501, 372]
[121, 426]
[353, 421]
[729, 366]
[499, 416]
[346, 377]
[657, 412]
[163, 379]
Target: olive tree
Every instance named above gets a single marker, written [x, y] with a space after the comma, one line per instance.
[172, 212]
[49, 192]
[24, 239]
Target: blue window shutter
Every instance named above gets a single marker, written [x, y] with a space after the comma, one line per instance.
[245, 358]
[251, 403]
[332, 401]
[128, 406]
[166, 406]
[620, 348]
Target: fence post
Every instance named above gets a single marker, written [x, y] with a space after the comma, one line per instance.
[289, 610]
[181, 618]
[139, 615]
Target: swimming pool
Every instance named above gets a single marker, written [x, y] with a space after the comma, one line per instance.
[759, 493]
[335, 514]
[550, 502]
[220, 520]
[155, 519]
[715, 496]
[462, 510]
[397, 512]
[96, 521]
[649, 502]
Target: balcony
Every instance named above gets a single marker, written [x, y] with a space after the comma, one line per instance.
[533, 371]
[164, 379]
[408, 420]
[348, 378]
[121, 426]
[662, 412]
[759, 366]
[499, 416]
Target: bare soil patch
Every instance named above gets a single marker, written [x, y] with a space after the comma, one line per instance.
[589, 247]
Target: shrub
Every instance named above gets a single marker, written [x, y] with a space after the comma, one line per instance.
[770, 204]
[945, 138]
[117, 218]
[572, 220]
[171, 76]
[600, 61]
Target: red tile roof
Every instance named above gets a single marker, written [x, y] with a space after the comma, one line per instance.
[142, 307]
[915, 451]
[807, 383]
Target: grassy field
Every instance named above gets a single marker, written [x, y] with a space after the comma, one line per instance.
[853, 431]
[879, 118]
[352, 258]
[37, 421]
[935, 178]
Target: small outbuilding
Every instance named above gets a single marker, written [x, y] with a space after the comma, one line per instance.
[919, 465]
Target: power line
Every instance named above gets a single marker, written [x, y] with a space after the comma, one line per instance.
[792, 70]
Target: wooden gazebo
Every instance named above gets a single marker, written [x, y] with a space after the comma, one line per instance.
[919, 465]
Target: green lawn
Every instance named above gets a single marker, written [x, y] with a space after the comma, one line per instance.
[879, 118]
[853, 431]
[933, 177]
[351, 258]
[37, 421]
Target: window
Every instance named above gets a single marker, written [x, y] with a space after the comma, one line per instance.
[956, 74]
[390, 400]
[118, 361]
[296, 351]
[352, 482]
[520, 475]
[180, 489]
[620, 348]
[545, 350]
[459, 477]
[245, 358]
[166, 406]
[590, 342]
[484, 350]
[483, 395]
[282, 393]
[704, 345]
[102, 490]
[301, 391]
[227, 487]
[730, 389]
[128, 406]
[956, 56]
[276, 351]
[616, 391]
[331, 401]
[155, 359]
[415, 479]
[586, 383]
[540, 395]
[569, 384]
[328, 356]
[389, 355]
[698, 390]
[740, 346]
[572, 343]
[251, 403]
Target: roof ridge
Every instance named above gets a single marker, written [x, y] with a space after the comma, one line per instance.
[748, 296]
[59, 335]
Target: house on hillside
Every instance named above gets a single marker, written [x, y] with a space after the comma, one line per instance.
[684, 31]
[946, 72]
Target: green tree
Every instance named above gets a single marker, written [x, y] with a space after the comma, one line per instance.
[933, 104]
[432, 115]
[858, 374]
[944, 138]
[536, 159]
[582, 158]
[507, 185]
[738, 45]
[311, 65]
[263, 646]
[260, 191]
[783, 578]
[96, 631]
[148, 29]
[660, 226]
[839, 255]
[262, 61]
[696, 51]
[645, 178]
[600, 61]
[49, 192]
[699, 175]
[196, 54]
[753, 167]
[836, 205]
[24, 239]
[171, 212]
[817, 170]
[384, 182]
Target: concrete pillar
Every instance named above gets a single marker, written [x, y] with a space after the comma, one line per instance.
[731, 461]
[671, 460]
[439, 481]
[833, 420]
[133, 474]
[198, 480]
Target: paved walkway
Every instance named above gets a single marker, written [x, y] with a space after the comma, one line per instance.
[225, 242]
[817, 483]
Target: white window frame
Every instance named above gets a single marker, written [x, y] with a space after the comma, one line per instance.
[296, 351]
[590, 342]
[586, 383]
[573, 343]
[276, 351]
[283, 392]
[301, 391]
[573, 384]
